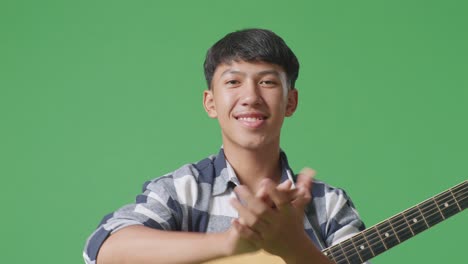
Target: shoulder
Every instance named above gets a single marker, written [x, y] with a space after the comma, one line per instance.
[322, 189]
[335, 212]
[193, 172]
[185, 183]
[331, 201]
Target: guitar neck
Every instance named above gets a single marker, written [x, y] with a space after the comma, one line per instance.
[401, 227]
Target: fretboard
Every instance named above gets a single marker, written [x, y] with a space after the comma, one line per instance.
[393, 231]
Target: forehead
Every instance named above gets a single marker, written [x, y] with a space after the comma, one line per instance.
[248, 68]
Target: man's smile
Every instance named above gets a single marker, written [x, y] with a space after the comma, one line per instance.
[251, 119]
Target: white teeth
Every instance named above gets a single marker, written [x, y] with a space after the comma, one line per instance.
[250, 119]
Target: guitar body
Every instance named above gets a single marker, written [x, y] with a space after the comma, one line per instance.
[259, 257]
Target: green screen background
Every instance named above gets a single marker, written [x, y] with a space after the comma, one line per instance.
[97, 97]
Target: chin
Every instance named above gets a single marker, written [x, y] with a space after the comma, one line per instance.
[248, 141]
[253, 144]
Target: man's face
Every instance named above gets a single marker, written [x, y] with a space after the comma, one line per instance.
[250, 101]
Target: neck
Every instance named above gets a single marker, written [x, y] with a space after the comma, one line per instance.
[253, 165]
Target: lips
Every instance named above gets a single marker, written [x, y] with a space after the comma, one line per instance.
[251, 119]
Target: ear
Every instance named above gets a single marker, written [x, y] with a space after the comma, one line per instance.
[209, 104]
[292, 102]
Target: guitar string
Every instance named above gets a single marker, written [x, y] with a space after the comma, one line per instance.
[446, 196]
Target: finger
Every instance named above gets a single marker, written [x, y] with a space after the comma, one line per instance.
[244, 194]
[263, 196]
[248, 217]
[284, 186]
[244, 231]
[302, 199]
[305, 178]
[304, 187]
[253, 203]
[279, 198]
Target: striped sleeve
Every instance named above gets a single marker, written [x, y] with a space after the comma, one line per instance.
[343, 220]
[157, 207]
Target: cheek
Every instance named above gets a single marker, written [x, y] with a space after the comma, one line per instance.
[277, 101]
[226, 99]
[224, 102]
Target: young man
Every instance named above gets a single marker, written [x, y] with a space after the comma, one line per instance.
[246, 197]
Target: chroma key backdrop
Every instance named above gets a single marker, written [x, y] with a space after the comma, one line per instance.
[96, 97]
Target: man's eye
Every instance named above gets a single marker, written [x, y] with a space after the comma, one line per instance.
[232, 82]
[268, 83]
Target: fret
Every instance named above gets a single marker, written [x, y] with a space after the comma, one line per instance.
[351, 253]
[338, 254]
[401, 227]
[415, 219]
[391, 232]
[422, 216]
[446, 204]
[386, 232]
[345, 259]
[367, 241]
[406, 221]
[362, 246]
[461, 194]
[380, 237]
[394, 232]
[431, 212]
[328, 253]
[356, 250]
[376, 244]
[455, 200]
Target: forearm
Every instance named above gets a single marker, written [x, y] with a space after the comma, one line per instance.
[139, 244]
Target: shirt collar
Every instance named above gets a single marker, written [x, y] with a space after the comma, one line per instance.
[225, 175]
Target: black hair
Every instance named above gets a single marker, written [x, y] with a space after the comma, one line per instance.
[252, 45]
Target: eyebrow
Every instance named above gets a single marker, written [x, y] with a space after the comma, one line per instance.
[265, 72]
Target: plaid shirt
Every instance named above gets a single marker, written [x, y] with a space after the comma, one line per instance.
[195, 198]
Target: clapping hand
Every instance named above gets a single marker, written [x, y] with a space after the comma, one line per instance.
[272, 218]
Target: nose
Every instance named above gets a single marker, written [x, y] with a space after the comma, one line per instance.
[251, 94]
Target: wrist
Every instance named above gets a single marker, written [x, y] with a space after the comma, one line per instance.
[219, 242]
[227, 242]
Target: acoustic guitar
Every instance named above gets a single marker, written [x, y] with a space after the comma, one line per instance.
[381, 237]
